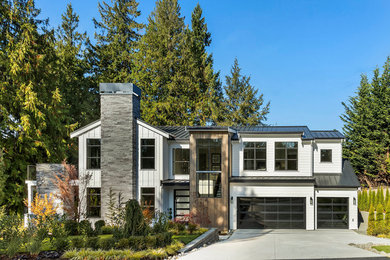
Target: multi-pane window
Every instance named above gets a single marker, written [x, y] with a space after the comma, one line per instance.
[209, 184]
[147, 198]
[286, 156]
[147, 153]
[255, 156]
[93, 202]
[93, 153]
[208, 167]
[182, 203]
[181, 161]
[326, 155]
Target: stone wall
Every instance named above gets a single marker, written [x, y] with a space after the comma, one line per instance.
[118, 145]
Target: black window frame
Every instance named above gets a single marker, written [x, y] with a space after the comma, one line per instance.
[213, 191]
[331, 155]
[174, 162]
[99, 200]
[175, 205]
[142, 158]
[89, 157]
[262, 146]
[286, 159]
[144, 193]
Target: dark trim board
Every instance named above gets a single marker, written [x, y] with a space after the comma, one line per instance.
[271, 212]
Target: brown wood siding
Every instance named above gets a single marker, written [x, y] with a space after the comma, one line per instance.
[211, 212]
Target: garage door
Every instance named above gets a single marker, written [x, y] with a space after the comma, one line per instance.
[271, 213]
[332, 212]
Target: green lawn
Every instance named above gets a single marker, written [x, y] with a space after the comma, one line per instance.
[385, 249]
[185, 239]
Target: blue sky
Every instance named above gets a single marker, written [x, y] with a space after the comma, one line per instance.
[305, 56]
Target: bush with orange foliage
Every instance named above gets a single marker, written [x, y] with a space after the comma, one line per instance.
[42, 207]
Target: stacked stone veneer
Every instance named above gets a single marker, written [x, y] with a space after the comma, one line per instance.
[119, 144]
[46, 181]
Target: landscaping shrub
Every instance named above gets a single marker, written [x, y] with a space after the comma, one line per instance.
[99, 225]
[163, 239]
[134, 220]
[92, 242]
[85, 228]
[387, 217]
[160, 223]
[123, 243]
[371, 221]
[106, 243]
[192, 227]
[117, 233]
[387, 196]
[10, 232]
[379, 224]
[58, 234]
[181, 227]
[77, 242]
[107, 230]
[137, 243]
[71, 226]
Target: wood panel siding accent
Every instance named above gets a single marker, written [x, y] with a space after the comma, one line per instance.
[212, 212]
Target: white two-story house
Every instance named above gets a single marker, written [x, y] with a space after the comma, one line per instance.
[226, 177]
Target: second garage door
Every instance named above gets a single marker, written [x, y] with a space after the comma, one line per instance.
[332, 212]
[271, 213]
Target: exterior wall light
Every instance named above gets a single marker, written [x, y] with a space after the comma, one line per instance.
[354, 201]
[231, 199]
[311, 201]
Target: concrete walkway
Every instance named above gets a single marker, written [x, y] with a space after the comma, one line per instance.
[288, 244]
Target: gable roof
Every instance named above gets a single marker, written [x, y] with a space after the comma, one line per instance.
[85, 129]
[177, 132]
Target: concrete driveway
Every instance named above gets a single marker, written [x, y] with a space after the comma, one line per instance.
[288, 244]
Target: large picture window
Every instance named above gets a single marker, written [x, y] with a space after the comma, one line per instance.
[181, 161]
[93, 202]
[147, 154]
[93, 153]
[147, 198]
[209, 184]
[255, 156]
[286, 156]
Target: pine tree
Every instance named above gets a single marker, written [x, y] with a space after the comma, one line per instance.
[380, 224]
[387, 217]
[78, 91]
[360, 199]
[365, 200]
[243, 104]
[134, 220]
[116, 36]
[366, 127]
[32, 115]
[387, 196]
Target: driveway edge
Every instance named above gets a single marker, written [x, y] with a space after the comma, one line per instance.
[209, 237]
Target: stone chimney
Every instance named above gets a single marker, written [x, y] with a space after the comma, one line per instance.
[120, 106]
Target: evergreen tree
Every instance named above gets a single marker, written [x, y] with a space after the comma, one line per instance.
[387, 217]
[371, 221]
[243, 105]
[167, 93]
[134, 220]
[380, 224]
[116, 36]
[387, 196]
[366, 127]
[32, 115]
[360, 199]
[78, 91]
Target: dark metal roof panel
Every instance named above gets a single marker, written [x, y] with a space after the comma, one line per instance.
[273, 179]
[179, 132]
[333, 134]
[346, 179]
[306, 133]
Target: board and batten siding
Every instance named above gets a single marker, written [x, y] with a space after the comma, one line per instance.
[152, 178]
[305, 156]
[328, 167]
[95, 181]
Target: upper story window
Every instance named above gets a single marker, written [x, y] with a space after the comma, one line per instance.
[286, 156]
[181, 161]
[255, 156]
[326, 155]
[147, 154]
[208, 168]
[93, 153]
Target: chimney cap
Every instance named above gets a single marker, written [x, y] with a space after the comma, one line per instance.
[119, 88]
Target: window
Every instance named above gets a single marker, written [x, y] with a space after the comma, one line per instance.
[255, 156]
[147, 154]
[208, 156]
[93, 202]
[93, 153]
[147, 198]
[182, 203]
[209, 184]
[326, 155]
[181, 161]
[286, 156]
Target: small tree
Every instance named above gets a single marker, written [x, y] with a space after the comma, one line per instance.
[42, 207]
[366, 204]
[371, 221]
[387, 217]
[360, 199]
[116, 209]
[380, 224]
[134, 220]
[387, 196]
